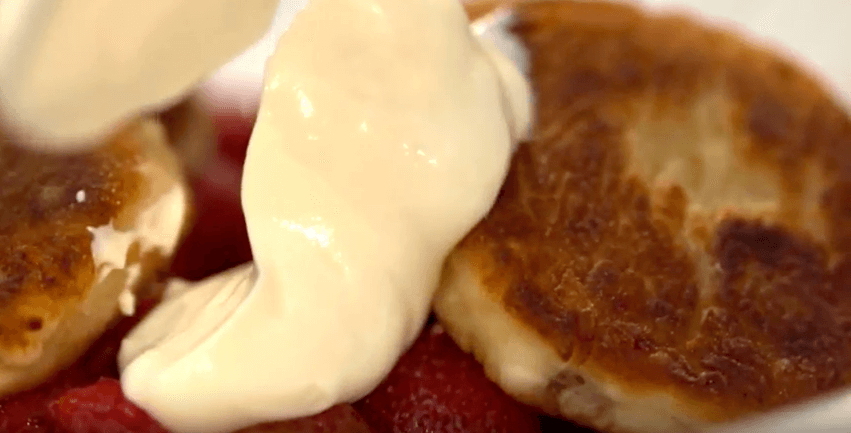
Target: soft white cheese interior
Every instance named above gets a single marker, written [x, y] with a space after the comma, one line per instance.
[72, 71]
[157, 228]
[384, 134]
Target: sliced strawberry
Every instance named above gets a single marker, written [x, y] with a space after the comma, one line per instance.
[436, 387]
[339, 419]
[101, 408]
[218, 239]
[27, 412]
[234, 131]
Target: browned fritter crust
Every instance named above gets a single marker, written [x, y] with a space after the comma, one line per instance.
[45, 246]
[736, 309]
[191, 132]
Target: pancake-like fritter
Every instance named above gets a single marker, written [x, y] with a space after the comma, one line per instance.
[78, 232]
[190, 131]
[671, 248]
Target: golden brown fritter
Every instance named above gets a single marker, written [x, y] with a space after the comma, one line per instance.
[675, 238]
[190, 130]
[53, 299]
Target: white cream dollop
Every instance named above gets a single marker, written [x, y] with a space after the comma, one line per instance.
[384, 134]
[73, 71]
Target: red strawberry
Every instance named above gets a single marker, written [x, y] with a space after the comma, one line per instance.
[436, 387]
[234, 131]
[27, 412]
[101, 408]
[339, 419]
[218, 239]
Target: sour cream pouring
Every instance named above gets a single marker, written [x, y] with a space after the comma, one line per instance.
[384, 134]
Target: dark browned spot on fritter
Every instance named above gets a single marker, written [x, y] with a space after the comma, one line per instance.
[35, 324]
[591, 260]
[45, 246]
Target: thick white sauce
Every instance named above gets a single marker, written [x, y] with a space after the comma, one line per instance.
[384, 134]
[72, 71]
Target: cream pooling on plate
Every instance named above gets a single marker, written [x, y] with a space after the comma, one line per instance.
[384, 135]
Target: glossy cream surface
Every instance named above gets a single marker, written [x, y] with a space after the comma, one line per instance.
[384, 134]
